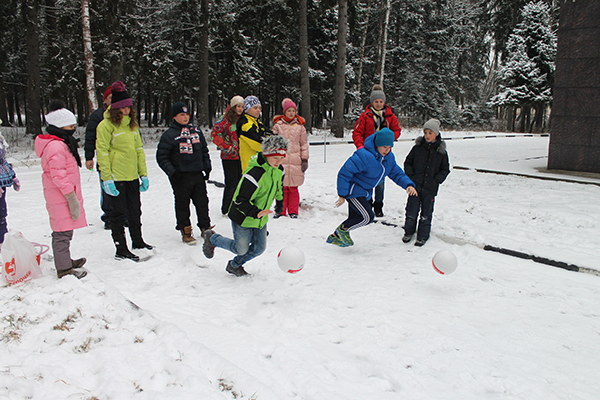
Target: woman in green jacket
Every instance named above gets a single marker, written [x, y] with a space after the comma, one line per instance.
[122, 163]
[259, 186]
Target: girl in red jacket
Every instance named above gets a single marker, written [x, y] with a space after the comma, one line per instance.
[376, 116]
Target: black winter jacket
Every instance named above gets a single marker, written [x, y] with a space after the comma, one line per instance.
[183, 149]
[90, 133]
[427, 165]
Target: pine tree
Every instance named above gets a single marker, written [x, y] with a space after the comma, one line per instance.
[527, 76]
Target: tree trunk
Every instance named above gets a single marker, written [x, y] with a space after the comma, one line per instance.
[90, 85]
[203, 112]
[384, 41]
[304, 68]
[32, 109]
[337, 126]
[363, 42]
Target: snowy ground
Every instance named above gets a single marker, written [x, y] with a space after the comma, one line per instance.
[373, 321]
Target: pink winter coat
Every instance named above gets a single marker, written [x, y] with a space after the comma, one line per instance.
[295, 133]
[60, 177]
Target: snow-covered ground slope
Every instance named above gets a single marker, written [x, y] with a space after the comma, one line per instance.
[372, 321]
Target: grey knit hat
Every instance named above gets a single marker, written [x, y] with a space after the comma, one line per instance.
[434, 125]
[274, 146]
[377, 93]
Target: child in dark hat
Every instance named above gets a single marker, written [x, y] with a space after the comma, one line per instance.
[428, 166]
[259, 186]
[362, 172]
[183, 154]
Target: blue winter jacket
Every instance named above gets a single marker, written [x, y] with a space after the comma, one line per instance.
[366, 169]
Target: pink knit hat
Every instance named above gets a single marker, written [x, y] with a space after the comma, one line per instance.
[288, 103]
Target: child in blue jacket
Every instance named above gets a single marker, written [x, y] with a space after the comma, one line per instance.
[362, 172]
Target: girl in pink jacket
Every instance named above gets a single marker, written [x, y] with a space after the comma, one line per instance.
[291, 126]
[60, 160]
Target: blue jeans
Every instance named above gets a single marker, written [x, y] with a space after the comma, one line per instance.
[247, 243]
[423, 203]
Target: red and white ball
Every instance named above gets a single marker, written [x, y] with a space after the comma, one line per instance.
[444, 262]
[290, 259]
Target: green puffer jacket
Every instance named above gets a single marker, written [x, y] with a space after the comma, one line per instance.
[119, 150]
[259, 186]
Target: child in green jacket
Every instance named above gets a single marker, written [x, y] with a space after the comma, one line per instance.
[259, 186]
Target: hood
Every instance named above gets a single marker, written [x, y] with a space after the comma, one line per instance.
[370, 146]
[439, 144]
[42, 141]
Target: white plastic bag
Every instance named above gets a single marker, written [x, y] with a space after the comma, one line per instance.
[20, 259]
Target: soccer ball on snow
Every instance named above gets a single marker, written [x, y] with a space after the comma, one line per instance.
[290, 259]
[444, 262]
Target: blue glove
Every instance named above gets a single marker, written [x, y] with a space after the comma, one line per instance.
[145, 184]
[110, 188]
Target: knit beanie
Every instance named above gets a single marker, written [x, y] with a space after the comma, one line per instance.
[384, 137]
[235, 100]
[61, 118]
[250, 102]
[179, 108]
[288, 103]
[274, 146]
[120, 96]
[434, 125]
[377, 93]
[107, 92]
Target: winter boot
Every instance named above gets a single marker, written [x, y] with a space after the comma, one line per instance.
[208, 248]
[378, 209]
[420, 242]
[187, 237]
[136, 239]
[239, 271]
[79, 262]
[122, 250]
[76, 272]
[406, 238]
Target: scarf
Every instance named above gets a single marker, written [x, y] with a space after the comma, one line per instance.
[378, 117]
[67, 137]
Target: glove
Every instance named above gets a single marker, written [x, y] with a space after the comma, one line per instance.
[16, 184]
[145, 184]
[110, 188]
[206, 175]
[304, 166]
[73, 205]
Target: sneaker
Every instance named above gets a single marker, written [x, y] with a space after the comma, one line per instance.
[333, 239]
[79, 262]
[239, 271]
[294, 216]
[208, 248]
[276, 215]
[406, 238]
[76, 272]
[142, 245]
[420, 242]
[344, 235]
[125, 254]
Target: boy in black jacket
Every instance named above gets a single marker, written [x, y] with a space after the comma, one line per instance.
[427, 166]
[183, 154]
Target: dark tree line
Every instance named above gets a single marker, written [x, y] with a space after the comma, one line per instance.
[435, 58]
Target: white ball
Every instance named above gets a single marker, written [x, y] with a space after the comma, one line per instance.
[444, 262]
[290, 259]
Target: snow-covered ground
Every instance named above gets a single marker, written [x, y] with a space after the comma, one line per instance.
[372, 321]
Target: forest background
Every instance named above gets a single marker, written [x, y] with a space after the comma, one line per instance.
[485, 64]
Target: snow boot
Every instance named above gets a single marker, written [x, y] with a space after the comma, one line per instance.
[420, 242]
[239, 271]
[378, 209]
[406, 238]
[76, 272]
[208, 248]
[79, 262]
[140, 244]
[187, 237]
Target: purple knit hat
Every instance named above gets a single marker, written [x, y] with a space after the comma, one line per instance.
[120, 96]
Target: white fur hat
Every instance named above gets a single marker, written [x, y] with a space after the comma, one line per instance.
[61, 118]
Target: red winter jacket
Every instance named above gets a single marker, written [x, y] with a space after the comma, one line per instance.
[224, 136]
[365, 125]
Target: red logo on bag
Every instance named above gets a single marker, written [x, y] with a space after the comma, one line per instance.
[9, 267]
